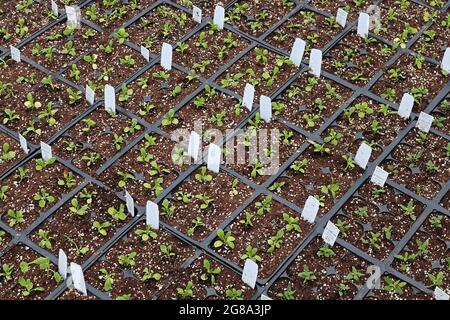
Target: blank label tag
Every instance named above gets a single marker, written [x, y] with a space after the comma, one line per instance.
[363, 155]
[152, 215]
[310, 209]
[214, 156]
[46, 151]
[145, 53]
[315, 62]
[406, 106]
[445, 65]
[363, 25]
[440, 294]
[264, 297]
[265, 106]
[55, 8]
[219, 17]
[197, 14]
[194, 145]
[23, 143]
[297, 51]
[90, 95]
[78, 278]
[130, 203]
[73, 15]
[249, 95]
[15, 54]
[330, 233]
[424, 122]
[166, 56]
[110, 99]
[379, 176]
[62, 264]
[250, 273]
[341, 17]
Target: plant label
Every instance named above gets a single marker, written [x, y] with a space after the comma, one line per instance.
[219, 17]
[145, 53]
[249, 95]
[445, 64]
[265, 105]
[73, 16]
[194, 145]
[379, 176]
[363, 25]
[62, 264]
[310, 209]
[152, 215]
[55, 8]
[214, 155]
[110, 98]
[130, 203]
[166, 56]
[341, 17]
[315, 62]
[23, 143]
[297, 51]
[264, 297]
[330, 233]
[197, 14]
[406, 106]
[46, 151]
[250, 273]
[440, 294]
[15, 54]
[424, 122]
[363, 155]
[90, 95]
[78, 277]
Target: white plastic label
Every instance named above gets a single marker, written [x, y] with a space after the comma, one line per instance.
[219, 17]
[424, 122]
[90, 95]
[15, 54]
[78, 278]
[363, 155]
[310, 209]
[341, 17]
[445, 64]
[440, 294]
[249, 95]
[363, 25]
[166, 56]
[197, 14]
[194, 145]
[23, 143]
[297, 52]
[55, 8]
[250, 273]
[46, 151]
[130, 203]
[406, 106]
[62, 264]
[110, 98]
[265, 106]
[264, 297]
[152, 215]
[145, 53]
[379, 176]
[315, 62]
[214, 156]
[330, 233]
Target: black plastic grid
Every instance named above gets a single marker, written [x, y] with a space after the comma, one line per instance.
[263, 284]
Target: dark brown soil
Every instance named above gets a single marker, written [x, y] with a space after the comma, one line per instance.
[206, 6]
[330, 273]
[433, 41]
[12, 156]
[353, 8]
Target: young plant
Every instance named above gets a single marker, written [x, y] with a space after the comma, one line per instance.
[225, 239]
[210, 273]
